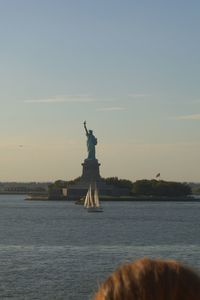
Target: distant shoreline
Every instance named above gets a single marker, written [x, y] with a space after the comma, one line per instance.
[13, 193]
[152, 199]
[193, 198]
[123, 199]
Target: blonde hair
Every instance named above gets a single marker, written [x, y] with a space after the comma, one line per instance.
[148, 279]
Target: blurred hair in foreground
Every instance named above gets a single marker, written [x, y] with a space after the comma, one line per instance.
[148, 279]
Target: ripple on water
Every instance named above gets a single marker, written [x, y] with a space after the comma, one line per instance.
[58, 251]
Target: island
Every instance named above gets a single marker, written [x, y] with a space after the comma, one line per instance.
[112, 188]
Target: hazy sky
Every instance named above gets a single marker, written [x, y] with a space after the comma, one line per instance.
[130, 68]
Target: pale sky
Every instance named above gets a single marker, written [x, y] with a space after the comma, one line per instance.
[130, 68]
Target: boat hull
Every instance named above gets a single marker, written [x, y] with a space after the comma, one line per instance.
[95, 209]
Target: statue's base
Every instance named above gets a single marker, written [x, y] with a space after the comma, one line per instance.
[90, 174]
[90, 170]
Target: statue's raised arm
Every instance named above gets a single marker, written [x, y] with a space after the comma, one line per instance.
[85, 128]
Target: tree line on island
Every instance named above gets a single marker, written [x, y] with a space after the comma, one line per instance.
[144, 187]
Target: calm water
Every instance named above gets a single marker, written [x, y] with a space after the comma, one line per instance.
[52, 250]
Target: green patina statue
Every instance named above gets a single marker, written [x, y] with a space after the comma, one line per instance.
[91, 143]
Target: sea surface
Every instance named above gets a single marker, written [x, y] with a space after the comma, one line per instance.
[57, 250]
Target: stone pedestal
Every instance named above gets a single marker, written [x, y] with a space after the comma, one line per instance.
[90, 173]
[90, 170]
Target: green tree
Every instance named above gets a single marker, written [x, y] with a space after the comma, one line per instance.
[161, 188]
[119, 183]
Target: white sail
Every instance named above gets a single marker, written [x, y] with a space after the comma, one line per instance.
[87, 198]
[96, 196]
[92, 200]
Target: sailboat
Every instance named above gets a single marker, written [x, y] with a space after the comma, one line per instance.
[91, 202]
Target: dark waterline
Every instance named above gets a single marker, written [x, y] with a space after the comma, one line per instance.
[56, 250]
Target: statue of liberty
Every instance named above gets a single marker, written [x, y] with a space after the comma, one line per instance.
[91, 143]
